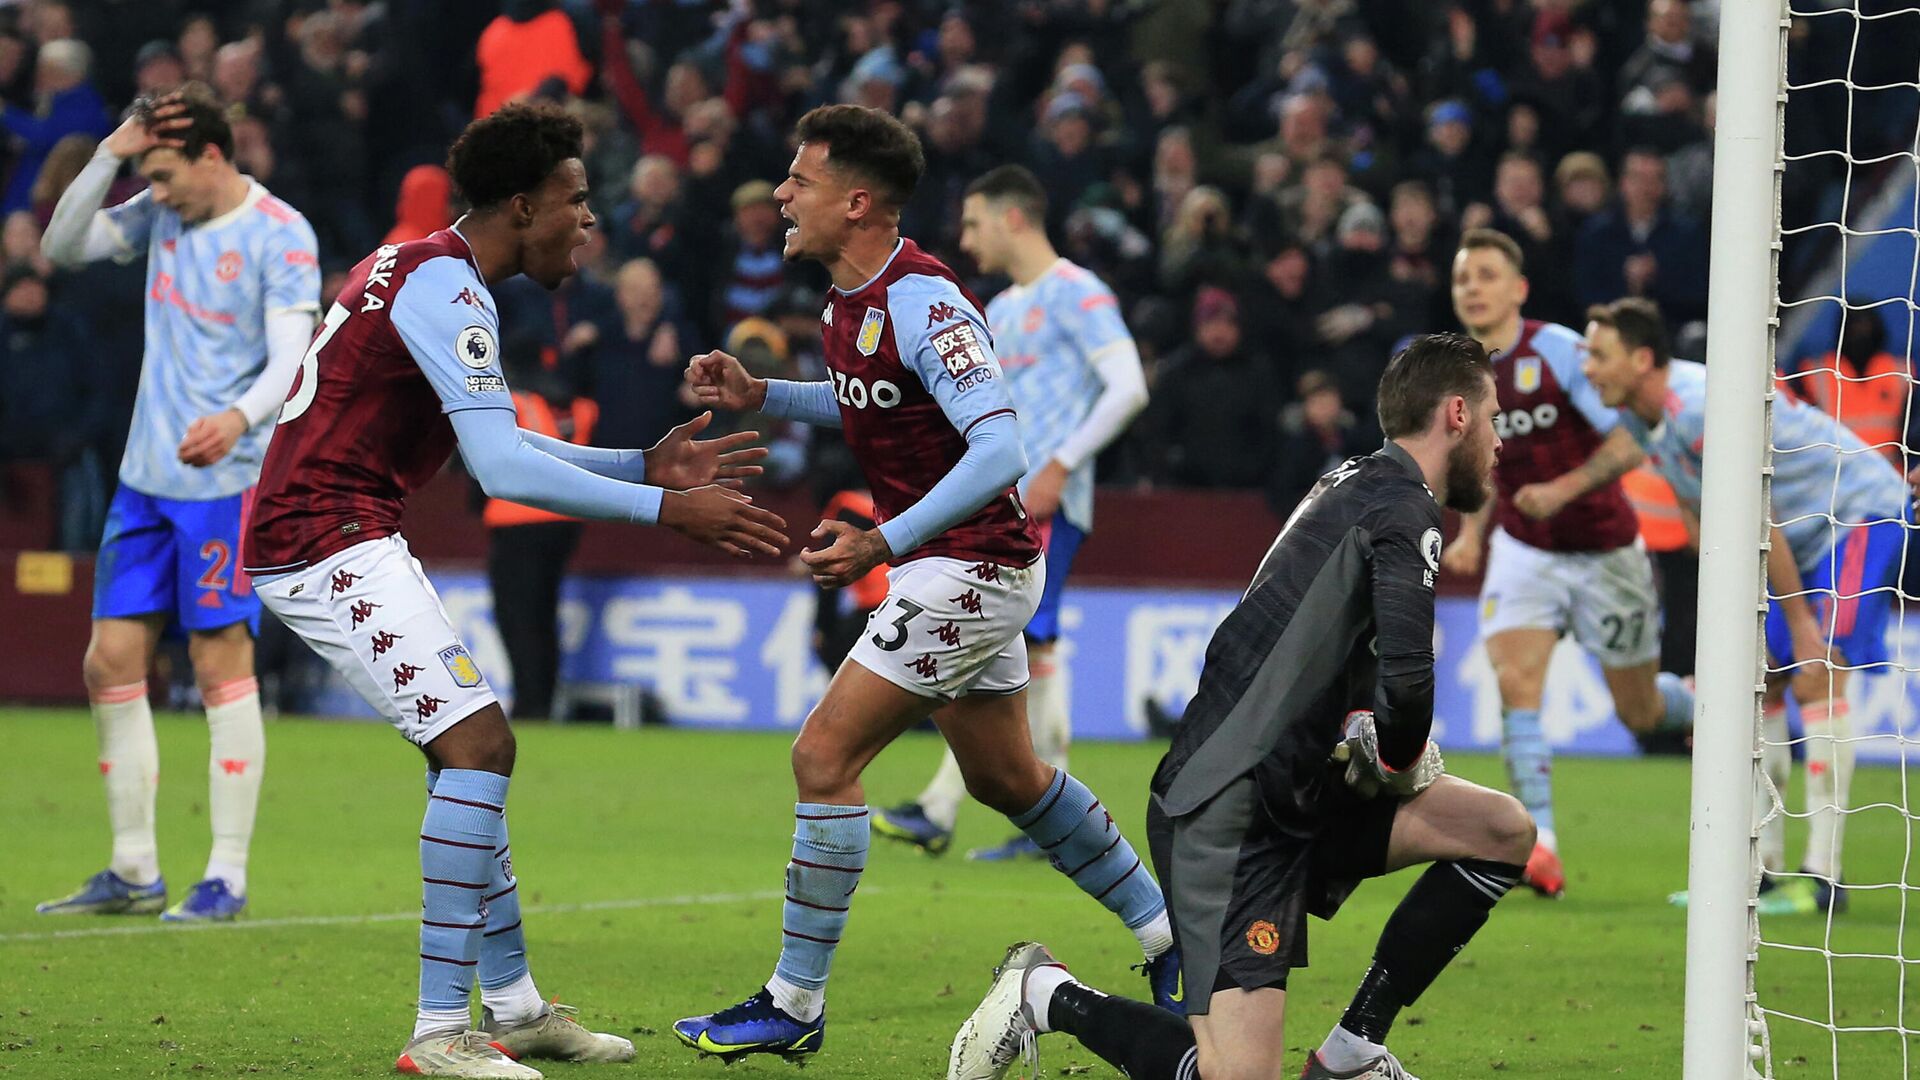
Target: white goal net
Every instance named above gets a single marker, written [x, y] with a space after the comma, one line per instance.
[1827, 972]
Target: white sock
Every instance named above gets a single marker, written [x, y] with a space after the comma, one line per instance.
[235, 760]
[130, 765]
[941, 800]
[1829, 727]
[516, 1003]
[1547, 839]
[1346, 1052]
[1048, 716]
[798, 1002]
[435, 1022]
[1776, 757]
[1156, 935]
[1041, 983]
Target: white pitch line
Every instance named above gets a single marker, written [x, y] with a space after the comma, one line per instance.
[157, 927]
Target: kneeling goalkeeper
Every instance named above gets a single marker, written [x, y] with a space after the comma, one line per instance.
[1303, 767]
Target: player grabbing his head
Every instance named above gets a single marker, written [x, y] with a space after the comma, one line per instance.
[1567, 556]
[1831, 570]
[1074, 374]
[406, 364]
[919, 395]
[232, 287]
[1302, 767]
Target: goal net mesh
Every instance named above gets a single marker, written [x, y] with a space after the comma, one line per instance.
[1830, 992]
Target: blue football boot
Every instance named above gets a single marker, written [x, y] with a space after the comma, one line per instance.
[209, 901]
[1012, 851]
[107, 893]
[755, 1026]
[908, 824]
[1163, 978]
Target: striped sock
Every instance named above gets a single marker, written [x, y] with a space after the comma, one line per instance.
[506, 984]
[1530, 766]
[1080, 837]
[1435, 920]
[829, 854]
[457, 840]
[236, 758]
[1676, 697]
[130, 765]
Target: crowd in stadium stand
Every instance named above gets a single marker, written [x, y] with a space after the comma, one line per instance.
[1272, 186]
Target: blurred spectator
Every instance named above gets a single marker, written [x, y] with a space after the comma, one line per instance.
[1215, 402]
[528, 43]
[1520, 211]
[1064, 156]
[1583, 188]
[652, 223]
[424, 206]
[63, 163]
[1454, 168]
[53, 408]
[1670, 50]
[1640, 247]
[1571, 97]
[528, 549]
[65, 103]
[1281, 306]
[1862, 383]
[1690, 168]
[1663, 116]
[1372, 309]
[198, 41]
[1317, 432]
[608, 150]
[1200, 247]
[636, 365]
[754, 268]
[326, 106]
[1307, 211]
[763, 349]
[237, 79]
[955, 157]
[1421, 253]
[157, 68]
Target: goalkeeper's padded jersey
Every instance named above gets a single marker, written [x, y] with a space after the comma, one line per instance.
[1339, 616]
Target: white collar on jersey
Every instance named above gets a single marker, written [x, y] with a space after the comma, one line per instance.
[895, 253]
[471, 261]
[255, 192]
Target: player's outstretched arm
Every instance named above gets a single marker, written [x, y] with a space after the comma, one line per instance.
[1615, 457]
[677, 462]
[721, 381]
[79, 231]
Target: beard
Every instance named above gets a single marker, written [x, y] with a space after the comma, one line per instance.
[1468, 487]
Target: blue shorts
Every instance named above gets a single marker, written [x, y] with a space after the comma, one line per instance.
[1063, 539]
[1860, 571]
[174, 557]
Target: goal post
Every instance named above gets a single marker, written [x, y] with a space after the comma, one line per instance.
[1741, 297]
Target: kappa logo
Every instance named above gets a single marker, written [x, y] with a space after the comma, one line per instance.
[476, 348]
[941, 312]
[403, 674]
[362, 610]
[1263, 937]
[228, 268]
[948, 633]
[461, 666]
[985, 571]
[469, 298]
[870, 329]
[969, 601]
[427, 705]
[342, 581]
[926, 667]
[383, 641]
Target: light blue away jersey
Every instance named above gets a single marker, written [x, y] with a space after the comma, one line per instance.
[209, 289]
[1822, 472]
[1047, 334]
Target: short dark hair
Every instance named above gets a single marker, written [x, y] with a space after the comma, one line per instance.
[1637, 320]
[1495, 240]
[1431, 369]
[512, 152]
[206, 120]
[870, 144]
[1013, 185]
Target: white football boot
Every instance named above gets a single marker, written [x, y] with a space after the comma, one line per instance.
[556, 1034]
[1384, 1067]
[464, 1053]
[1001, 1030]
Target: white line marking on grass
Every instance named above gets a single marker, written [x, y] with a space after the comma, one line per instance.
[155, 926]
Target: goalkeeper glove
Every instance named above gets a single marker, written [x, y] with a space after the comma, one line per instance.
[1368, 775]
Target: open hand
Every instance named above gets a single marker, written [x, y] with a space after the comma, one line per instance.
[142, 132]
[680, 461]
[720, 381]
[847, 559]
[210, 438]
[724, 518]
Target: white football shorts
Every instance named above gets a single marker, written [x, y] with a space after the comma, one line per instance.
[950, 628]
[1606, 599]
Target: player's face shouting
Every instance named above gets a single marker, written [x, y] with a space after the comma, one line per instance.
[558, 224]
[1487, 289]
[1609, 365]
[814, 200]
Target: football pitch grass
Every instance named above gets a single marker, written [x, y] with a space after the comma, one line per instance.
[650, 865]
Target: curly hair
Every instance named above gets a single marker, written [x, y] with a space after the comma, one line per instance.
[206, 119]
[511, 152]
[870, 144]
